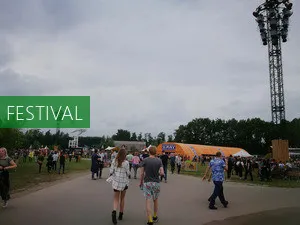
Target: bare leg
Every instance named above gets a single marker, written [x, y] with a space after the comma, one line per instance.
[148, 208]
[155, 206]
[116, 200]
[122, 202]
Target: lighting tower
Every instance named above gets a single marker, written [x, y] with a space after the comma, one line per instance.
[273, 22]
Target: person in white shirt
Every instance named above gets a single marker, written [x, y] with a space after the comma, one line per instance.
[55, 158]
[178, 161]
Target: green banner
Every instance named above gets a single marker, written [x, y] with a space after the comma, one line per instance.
[44, 111]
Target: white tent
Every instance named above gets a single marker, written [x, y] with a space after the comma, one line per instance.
[242, 153]
[146, 149]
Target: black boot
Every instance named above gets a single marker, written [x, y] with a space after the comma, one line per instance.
[114, 217]
[225, 204]
[120, 216]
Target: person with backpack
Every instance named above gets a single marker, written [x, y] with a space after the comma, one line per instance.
[151, 170]
[6, 163]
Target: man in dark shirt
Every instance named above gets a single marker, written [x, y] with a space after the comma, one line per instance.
[164, 158]
[172, 162]
[145, 155]
[151, 169]
[62, 162]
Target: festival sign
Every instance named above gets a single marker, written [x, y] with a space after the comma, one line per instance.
[168, 147]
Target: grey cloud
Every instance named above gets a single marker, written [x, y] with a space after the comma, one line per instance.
[38, 16]
[15, 84]
[147, 65]
[5, 53]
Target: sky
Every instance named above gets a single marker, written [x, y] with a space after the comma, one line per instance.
[148, 65]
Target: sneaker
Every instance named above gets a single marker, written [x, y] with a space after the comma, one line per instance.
[155, 219]
[213, 207]
[5, 203]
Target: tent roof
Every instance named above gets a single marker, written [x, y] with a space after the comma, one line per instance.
[242, 153]
[192, 149]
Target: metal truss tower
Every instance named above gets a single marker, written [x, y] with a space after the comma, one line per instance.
[273, 22]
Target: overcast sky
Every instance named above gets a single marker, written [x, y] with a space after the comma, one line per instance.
[148, 65]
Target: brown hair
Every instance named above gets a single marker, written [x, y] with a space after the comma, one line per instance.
[218, 154]
[152, 150]
[121, 157]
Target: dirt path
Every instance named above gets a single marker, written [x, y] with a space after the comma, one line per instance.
[80, 200]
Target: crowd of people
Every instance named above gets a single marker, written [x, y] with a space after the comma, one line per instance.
[153, 170]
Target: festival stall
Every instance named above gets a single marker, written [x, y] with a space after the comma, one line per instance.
[190, 150]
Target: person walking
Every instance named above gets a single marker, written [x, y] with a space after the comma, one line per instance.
[172, 162]
[178, 163]
[217, 167]
[135, 163]
[119, 173]
[50, 162]
[164, 158]
[230, 166]
[6, 163]
[40, 161]
[101, 164]
[95, 164]
[151, 169]
[62, 162]
[248, 168]
[55, 158]
[129, 159]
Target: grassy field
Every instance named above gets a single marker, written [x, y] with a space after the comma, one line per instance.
[234, 178]
[26, 174]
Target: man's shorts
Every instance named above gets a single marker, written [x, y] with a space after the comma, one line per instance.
[151, 190]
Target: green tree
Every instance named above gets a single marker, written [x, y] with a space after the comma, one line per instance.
[133, 137]
[122, 135]
[140, 137]
[170, 138]
[161, 137]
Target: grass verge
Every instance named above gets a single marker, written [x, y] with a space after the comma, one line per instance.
[27, 176]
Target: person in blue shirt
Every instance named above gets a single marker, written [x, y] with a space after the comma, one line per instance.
[217, 166]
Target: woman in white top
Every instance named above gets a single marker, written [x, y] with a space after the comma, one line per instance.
[119, 171]
[178, 162]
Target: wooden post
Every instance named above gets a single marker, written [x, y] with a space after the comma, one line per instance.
[280, 150]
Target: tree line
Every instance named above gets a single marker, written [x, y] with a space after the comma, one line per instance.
[253, 135]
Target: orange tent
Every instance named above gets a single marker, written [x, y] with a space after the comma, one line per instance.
[192, 150]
